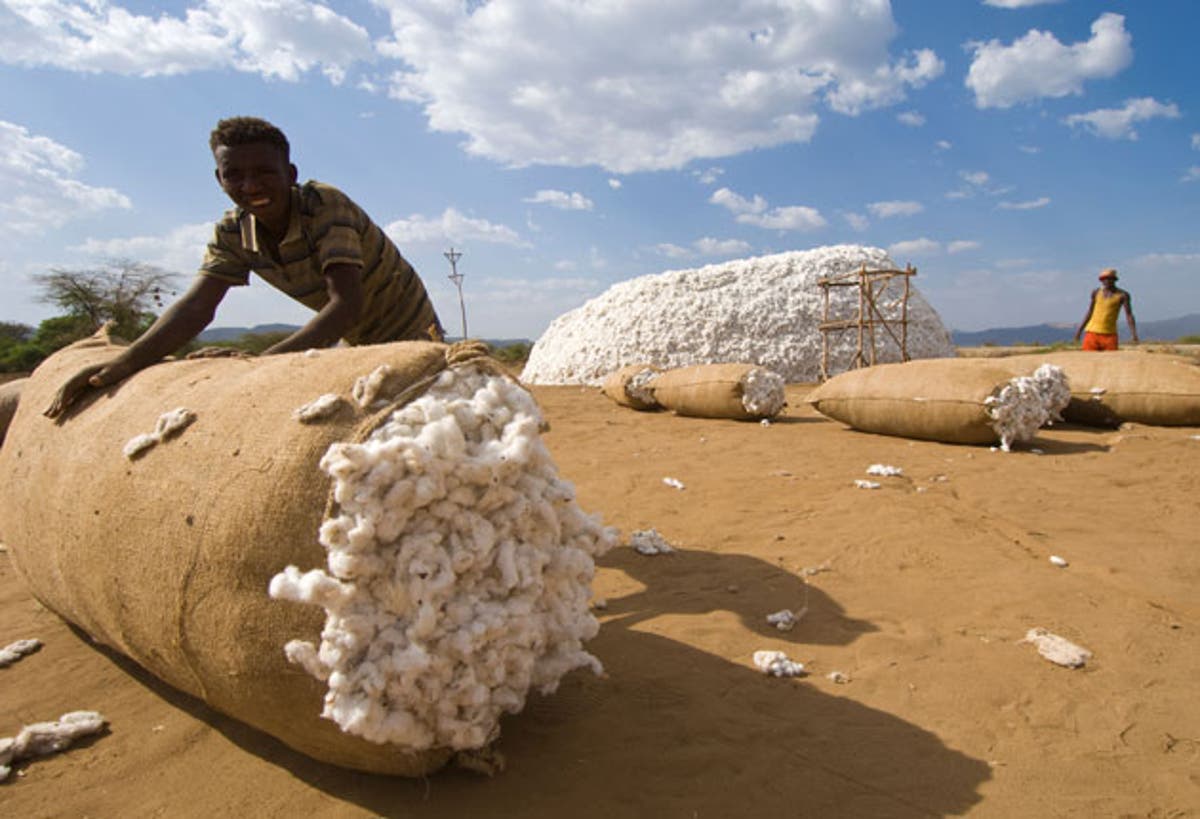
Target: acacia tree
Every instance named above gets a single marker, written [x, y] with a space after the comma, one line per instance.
[123, 292]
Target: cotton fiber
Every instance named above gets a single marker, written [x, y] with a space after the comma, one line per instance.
[764, 310]
[458, 572]
[45, 738]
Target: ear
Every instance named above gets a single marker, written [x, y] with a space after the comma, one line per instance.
[292, 172]
[217, 175]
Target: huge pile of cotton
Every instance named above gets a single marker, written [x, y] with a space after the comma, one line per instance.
[763, 310]
[459, 569]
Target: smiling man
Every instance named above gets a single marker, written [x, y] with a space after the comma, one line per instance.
[309, 241]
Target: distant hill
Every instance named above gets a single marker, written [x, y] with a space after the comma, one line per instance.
[229, 333]
[1165, 330]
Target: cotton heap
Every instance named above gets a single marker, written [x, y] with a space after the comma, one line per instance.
[1028, 403]
[764, 310]
[459, 569]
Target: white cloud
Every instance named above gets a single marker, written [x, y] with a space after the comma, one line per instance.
[1038, 65]
[886, 210]
[856, 221]
[708, 176]
[976, 178]
[641, 84]
[1018, 4]
[561, 200]
[615, 184]
[275, 38]
[40, 184]
[1117, 123]
[1196, 142]
[452, 226]
[1191, 175]
[961, 246]
[1029, 149]
[179, 250]
[737, 204]
[914, 247]
[914, 119]
[1032, 204]
[706, 247]
[944, 144]
[754, 212]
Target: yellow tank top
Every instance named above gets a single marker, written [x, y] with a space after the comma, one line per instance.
[1104, 313]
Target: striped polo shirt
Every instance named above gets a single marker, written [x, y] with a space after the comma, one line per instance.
[327, 228]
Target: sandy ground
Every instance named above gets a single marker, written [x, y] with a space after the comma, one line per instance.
[919, 592]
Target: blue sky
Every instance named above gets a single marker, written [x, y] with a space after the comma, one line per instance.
[1009, 149]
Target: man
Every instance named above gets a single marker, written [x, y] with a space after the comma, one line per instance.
[309, 241]
[1099, 326]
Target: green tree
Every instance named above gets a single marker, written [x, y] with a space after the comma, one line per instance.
[123, 292]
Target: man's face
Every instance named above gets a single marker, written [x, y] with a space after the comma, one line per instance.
[258, 179]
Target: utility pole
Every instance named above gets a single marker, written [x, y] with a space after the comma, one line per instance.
[456, 277]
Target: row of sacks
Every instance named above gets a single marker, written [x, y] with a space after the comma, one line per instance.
[366, 552]
[1006, 400]
[738, 391]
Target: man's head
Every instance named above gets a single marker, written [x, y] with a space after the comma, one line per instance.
[1108, 277]
[254, 168]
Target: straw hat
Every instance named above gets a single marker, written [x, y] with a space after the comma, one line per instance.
[1108, 273]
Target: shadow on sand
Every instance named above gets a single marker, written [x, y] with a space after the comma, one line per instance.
[670, 730]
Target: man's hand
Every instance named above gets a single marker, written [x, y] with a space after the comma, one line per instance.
[219, 352]
[97, 376]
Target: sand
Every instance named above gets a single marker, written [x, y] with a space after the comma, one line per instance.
[919, 593]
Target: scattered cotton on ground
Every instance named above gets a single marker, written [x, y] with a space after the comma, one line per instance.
[674, 483]
[777, 664]
[458, 573]
[649, 542]
[884, 470]
[764, 310]
[861, 484]
[1057, 649]
[45, 738]
[15, 651]
[784, 620]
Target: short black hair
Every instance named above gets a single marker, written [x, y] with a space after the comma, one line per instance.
[248, 130]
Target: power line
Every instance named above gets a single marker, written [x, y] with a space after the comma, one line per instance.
[456, 277]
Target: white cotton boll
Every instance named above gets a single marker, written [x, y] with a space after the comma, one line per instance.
[1056, 649]
[304, 654]
[763, 392]
[674, 483]
[784, 620]
[777, 664]
[174, 422]
[861, 484]
[44, 738]
[138, 444]
[319, 408]
[884, 470]
[18, 649]
[649, 542]
[1059, 562]
[366, 388]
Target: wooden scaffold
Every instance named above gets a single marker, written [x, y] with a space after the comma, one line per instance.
[871, 285]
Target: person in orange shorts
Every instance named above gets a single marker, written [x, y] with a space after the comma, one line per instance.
[1099, 326]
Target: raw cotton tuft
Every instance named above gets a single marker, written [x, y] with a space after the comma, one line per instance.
[459, 569]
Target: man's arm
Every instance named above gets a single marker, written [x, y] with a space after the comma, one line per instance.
[1129, 317]
[1086, 318]
[178, 324]
[343, 282]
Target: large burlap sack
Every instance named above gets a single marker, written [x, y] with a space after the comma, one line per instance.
[938, 399]
[166, 555]
[739, 391]
[630, 386]
[1126, 385]
[10, 396]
